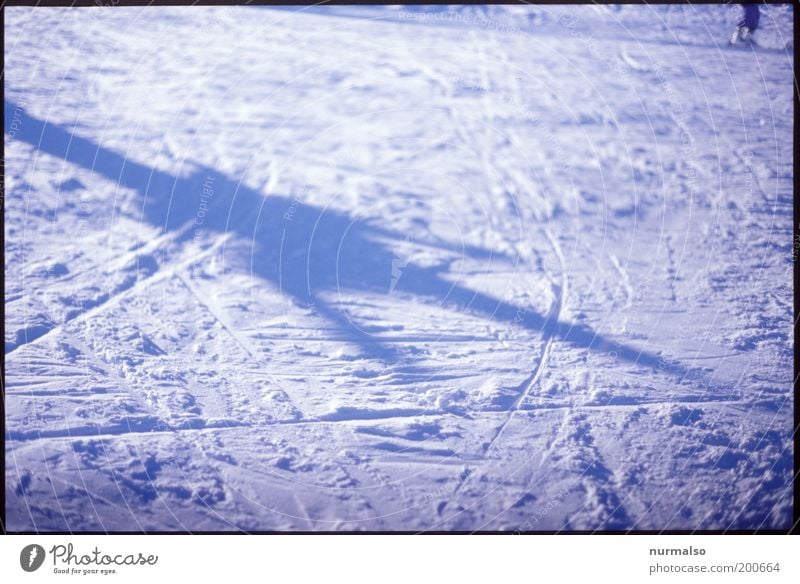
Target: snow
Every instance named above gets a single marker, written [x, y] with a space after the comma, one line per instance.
[397, 268]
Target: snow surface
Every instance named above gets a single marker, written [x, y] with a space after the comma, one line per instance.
[430, 268]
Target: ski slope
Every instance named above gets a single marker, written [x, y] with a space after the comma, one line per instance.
[413, 269]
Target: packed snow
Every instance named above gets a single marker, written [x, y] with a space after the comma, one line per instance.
[397, 268]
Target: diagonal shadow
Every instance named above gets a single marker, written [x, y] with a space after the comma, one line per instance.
[304, 250]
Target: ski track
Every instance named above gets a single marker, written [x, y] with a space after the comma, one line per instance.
[116, 296]
[625, 281]
[280, 423]
[95, 432]
[601, 492]
[560, 290]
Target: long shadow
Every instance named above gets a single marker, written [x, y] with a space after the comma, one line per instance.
[304, 250]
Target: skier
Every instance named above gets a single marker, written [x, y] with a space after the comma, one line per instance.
[747, 25]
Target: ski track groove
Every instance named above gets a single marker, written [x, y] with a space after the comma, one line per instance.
[137, 286]
[573, 433]
[600, 493]
[222, 322]
[302, 510]
[126, 256]
[123, 383]
[671, 270]
[593, 497]
[625, 281]
[554, 314]
[242, 343]
[77, 433]
[119, 379]
[561, 290]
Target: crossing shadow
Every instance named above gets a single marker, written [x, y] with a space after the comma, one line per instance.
[307, 251]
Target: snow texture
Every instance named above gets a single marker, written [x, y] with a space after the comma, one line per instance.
[397, 268]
